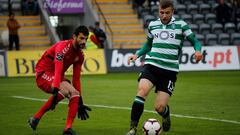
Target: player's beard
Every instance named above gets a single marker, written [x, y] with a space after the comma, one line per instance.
[81, 45]
[165, 21]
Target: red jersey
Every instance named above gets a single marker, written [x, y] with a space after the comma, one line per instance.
[57, 60]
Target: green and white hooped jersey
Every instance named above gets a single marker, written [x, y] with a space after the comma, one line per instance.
[166, 43]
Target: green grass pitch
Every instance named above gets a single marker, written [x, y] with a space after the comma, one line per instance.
[203, 103]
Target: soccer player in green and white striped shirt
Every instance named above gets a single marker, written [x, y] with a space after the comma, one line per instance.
[162, 49]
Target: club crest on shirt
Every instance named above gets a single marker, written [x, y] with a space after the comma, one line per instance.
[173, 26]
[59, 57]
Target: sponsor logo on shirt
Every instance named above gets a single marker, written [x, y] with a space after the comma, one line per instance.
[59, 57]
[164, 35]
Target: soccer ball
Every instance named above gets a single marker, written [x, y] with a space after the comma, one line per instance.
[151, 127]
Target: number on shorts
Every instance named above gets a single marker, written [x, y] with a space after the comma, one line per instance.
[170, 85]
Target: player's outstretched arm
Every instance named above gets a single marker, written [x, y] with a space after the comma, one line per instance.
[197, 47]
[142, 51]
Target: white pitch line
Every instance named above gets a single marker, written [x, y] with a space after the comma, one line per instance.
[149, 111]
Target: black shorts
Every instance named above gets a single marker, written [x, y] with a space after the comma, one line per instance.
[163, 80]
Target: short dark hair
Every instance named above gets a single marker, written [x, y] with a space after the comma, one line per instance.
[166, 3]
[81, 29]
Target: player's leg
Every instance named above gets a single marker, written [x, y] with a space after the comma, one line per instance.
[144, 88]
[73, 95]
[164, 88]
[17, 42]
[33, 121]
[44, 82]
[10, 39]
[161, 106]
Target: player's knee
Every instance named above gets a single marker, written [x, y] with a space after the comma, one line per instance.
[74, 93]
[159, 108]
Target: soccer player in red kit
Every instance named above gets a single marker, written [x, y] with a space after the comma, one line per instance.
[50, 78]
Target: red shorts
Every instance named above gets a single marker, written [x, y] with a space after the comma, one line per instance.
[44, 81]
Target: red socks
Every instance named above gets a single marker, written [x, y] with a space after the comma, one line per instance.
[47, 105]
[72, 111]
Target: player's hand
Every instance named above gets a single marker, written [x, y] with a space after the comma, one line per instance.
[82, 110]
[55, 98]
[198, 56]
[132, 58]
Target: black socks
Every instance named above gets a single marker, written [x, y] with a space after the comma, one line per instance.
[137, 110]
[166, 112]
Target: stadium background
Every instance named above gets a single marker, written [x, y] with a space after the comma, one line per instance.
[212, 86]
[125, 26]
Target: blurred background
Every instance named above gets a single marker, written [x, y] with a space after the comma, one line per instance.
[120, 27]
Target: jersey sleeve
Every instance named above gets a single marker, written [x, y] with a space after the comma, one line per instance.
[145, 48]
[187, 32]
[76, 76]
[58, 63]
[147, 45]
[195, 42]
